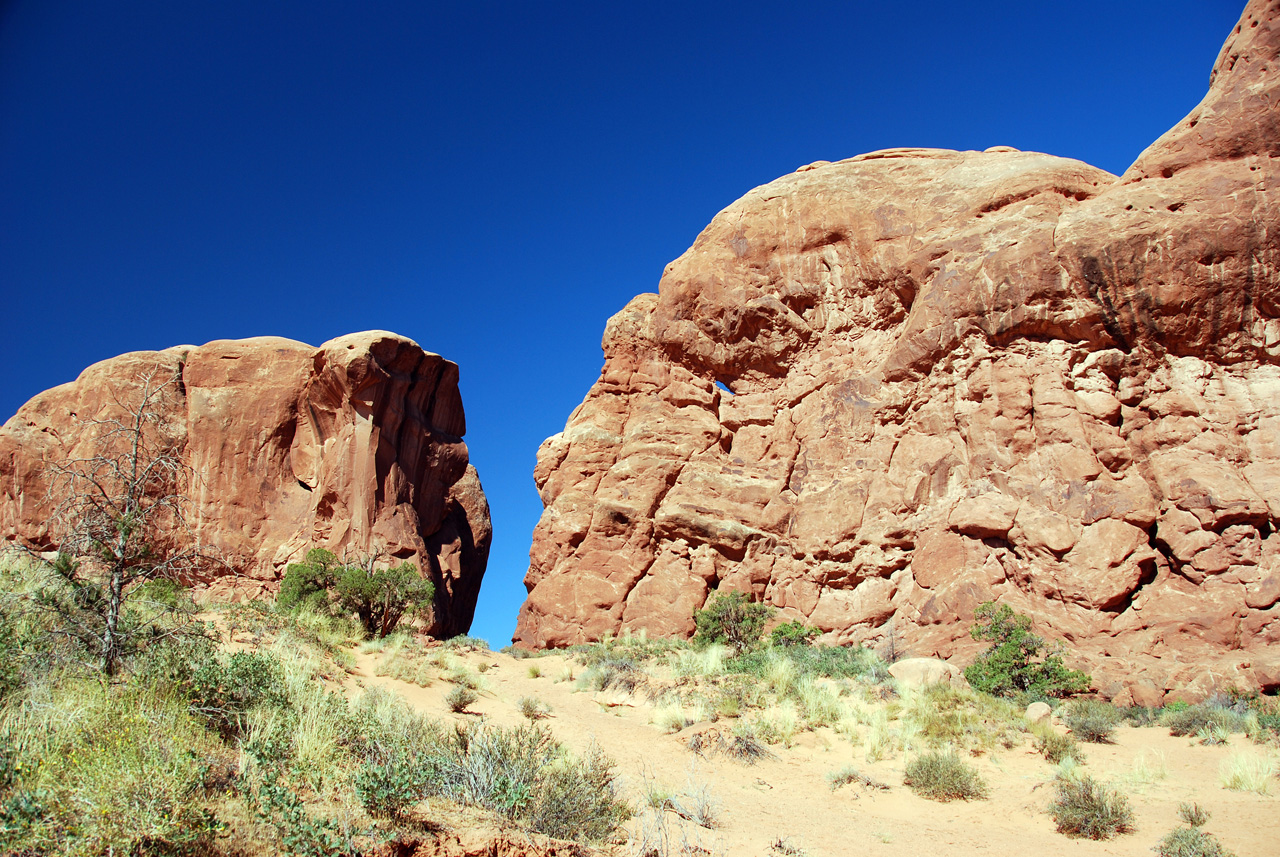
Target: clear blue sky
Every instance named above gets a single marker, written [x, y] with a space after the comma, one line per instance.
[493, 180]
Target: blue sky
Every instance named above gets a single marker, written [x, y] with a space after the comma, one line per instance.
[493, 180]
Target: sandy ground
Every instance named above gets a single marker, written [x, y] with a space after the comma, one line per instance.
[787, 800]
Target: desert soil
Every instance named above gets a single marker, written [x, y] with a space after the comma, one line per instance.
[786, 799]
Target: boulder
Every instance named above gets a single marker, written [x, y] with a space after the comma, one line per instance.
[939, 378]
[355, 446]
[923, 672]
[1038, 712]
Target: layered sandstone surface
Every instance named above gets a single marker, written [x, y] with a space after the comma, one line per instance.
[355, 446]
[878, 392]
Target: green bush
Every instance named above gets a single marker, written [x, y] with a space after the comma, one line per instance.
[1092, 721]
[793, 633]
[731, 619]
[1018, 662]
[1084, 808]
[942, 776]
[378, 597]
[222, 689]
[388, 786]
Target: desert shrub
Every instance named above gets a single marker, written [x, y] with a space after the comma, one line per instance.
[1192, 719]
[1084, 808]
[732, 619]
[1138, 715]
[942, 776]
[1092, 721]
[468, 643]
[942, 714]
[534, 709]
[745, 747]
[696, 803]
[535, 671]
[378, 597]
[1018, 661]
[1054, 746]
[815, 661]
[1191, 841]
[460, 698]
[525, 774]
[620, 673]
[793, 633]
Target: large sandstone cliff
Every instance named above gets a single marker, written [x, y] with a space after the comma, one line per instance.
[878, 392]
[355, 446]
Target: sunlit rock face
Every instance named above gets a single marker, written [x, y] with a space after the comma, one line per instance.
[956, 377]
[355, 446]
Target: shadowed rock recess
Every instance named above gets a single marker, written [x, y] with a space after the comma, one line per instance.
[877, 392]
[355, 446]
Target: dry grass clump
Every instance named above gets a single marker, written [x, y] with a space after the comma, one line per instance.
[1247, 772]
[1084, 808]
[942, 776]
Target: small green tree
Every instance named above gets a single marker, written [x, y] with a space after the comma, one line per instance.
[1018, 662]
[379, 597]
[731, 619]
[793, 633]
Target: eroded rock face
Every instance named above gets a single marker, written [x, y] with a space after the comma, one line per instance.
[956, 377]
[355, 446]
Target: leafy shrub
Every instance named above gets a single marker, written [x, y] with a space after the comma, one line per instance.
[460, 698]
[942, 776]
[379, 597]
[222, 689]
[1092, 721]
[793, 633]
[1018, 661]
[389, 785]
[1191, 841]
[1083, 808]
[731, 619]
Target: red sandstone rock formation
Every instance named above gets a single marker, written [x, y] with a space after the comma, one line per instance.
[355, 446]
[956, 376]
